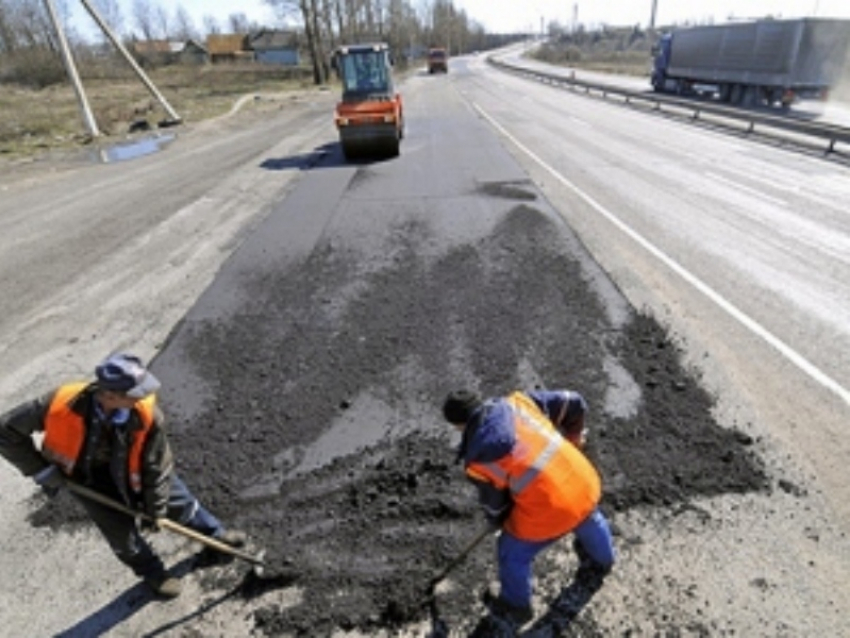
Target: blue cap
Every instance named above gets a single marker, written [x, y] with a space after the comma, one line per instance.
[125, 374]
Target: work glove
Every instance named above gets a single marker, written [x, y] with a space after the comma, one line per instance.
[147, 520]
[148, 524]
[50, 479]
[496, 521]
[579, 439]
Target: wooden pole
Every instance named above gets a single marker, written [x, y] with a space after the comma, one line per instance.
[175, 119]
[70, 67]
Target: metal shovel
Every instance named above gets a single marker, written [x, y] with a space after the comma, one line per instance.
[256, 561]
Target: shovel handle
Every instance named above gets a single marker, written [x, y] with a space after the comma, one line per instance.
[209, 541]
[165, 523]
[484, 533]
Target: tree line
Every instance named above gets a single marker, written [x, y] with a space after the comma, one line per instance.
[30, 54]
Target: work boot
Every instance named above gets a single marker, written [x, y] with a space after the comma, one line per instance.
[591, 574]
[164, 585]
[516, 615]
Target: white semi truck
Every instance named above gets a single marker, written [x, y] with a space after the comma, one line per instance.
[765, 62]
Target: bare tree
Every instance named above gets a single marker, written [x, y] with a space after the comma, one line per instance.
[327, 23]
[184, 28]
[211, 25]
[238, 23]
[33, 25]
[162, 21]
[144, 18]
[110, 11]
[323, 60]
[8, 37]
[28, 42]
[341, 25]
[400, 23]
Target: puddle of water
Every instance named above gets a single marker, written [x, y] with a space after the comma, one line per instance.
[133, 150]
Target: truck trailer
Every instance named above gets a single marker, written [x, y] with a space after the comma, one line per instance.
[765, 62]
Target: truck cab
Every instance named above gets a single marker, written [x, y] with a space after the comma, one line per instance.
[438, 60]
[660, 62]
[369, 116]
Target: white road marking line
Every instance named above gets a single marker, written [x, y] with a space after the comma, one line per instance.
[746, 189]
[784, 349]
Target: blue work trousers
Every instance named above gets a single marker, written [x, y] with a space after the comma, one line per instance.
[516, 556]
[124, 538]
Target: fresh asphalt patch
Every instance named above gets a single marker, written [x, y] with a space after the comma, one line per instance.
[305, 396]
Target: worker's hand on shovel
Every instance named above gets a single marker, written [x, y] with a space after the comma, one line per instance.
[148, 523]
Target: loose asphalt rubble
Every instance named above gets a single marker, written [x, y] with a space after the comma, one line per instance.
[304, 401]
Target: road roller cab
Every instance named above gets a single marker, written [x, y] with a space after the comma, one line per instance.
[369, 117]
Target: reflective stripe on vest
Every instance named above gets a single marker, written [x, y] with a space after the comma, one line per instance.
[518, 483]
[553, 485]
[65, 433]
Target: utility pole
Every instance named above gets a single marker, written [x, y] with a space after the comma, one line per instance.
[652, 17]
[71, 68]
[175, 119]
[575, 17]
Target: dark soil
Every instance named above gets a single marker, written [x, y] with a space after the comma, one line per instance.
[278, 355]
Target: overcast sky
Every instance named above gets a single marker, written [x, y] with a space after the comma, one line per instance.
[513, 14]
[522, 15]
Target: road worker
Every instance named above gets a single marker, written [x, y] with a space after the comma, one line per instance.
[107, 434]
[532, 483]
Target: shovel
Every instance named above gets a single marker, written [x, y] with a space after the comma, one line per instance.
[438, 628]
[256, 561]
[457, 560]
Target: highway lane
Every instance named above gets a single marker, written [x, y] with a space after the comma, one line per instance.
[832, 111]
[743, 248]
[125, 248]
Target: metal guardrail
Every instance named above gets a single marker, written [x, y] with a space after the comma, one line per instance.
[833, 134]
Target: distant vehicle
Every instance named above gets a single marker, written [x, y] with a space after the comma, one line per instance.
[766, 62]
[370, 115]
[438, 60]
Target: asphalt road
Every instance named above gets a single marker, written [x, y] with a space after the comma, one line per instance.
[740, 248]
[832, 111]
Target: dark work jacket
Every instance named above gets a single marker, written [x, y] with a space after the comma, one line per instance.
[18, 447]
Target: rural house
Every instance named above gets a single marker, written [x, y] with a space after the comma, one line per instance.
[229, 47]
[275, 47]
[163, 52]
[193, 52]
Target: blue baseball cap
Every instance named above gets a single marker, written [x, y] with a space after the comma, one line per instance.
[125, 374]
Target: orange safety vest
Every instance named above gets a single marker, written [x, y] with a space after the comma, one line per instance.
[65, 432]
[553, 485]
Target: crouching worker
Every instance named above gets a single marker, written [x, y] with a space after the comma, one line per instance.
[108, 435]
[532, 483]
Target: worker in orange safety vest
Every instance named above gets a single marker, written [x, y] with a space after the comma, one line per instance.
[533, 483]
[108, 435]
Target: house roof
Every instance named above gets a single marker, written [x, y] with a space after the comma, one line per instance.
[192, 44]
[148, 47]
[152, 46]
[226, 43]
[271, 39]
